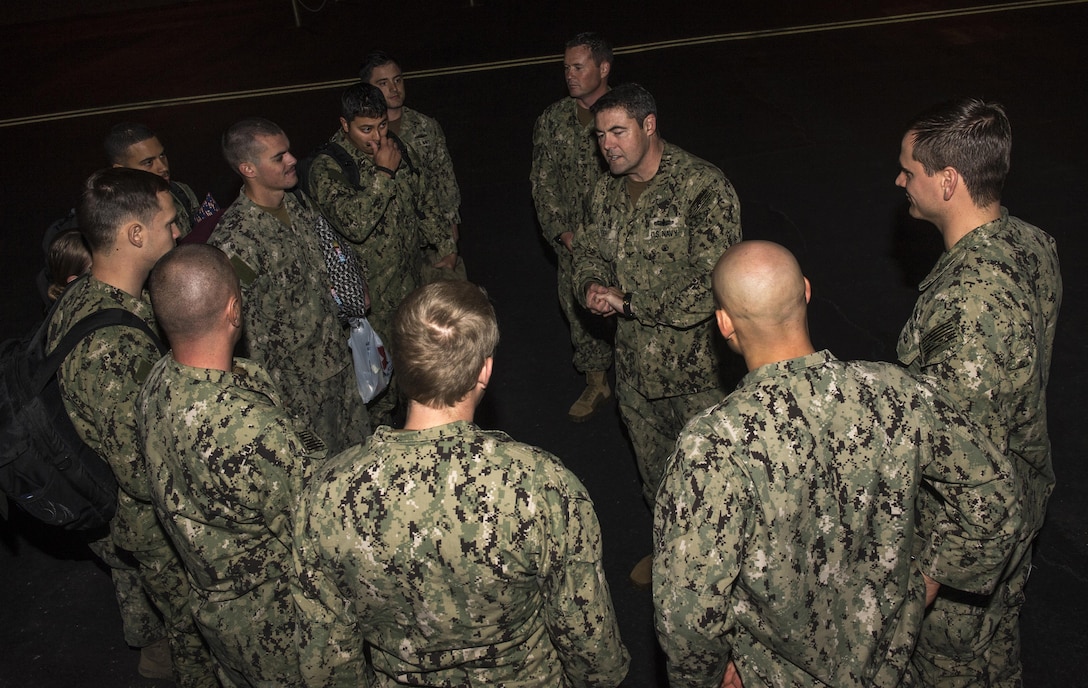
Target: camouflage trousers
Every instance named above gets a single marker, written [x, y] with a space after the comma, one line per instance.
[653, 426]
[165, 581]
[334, 410]
[967, 643]
[590, 336]
[252, 637]
[141, 623]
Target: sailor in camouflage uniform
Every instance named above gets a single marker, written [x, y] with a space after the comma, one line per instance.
[423, 135]
[983, 328]
[804, 522]
[389, 217]
[226, 466]
[129, 221]
[391, 214]
[566, 167]
[448, 554]
[658, 226]
[291, 318]
[133, 145]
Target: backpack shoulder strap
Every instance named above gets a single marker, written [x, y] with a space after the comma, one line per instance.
[405, 156]
[343, 159]
[181, 191]
[108, 317]
[303, 200]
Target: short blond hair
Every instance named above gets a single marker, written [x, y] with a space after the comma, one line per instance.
[442, 334]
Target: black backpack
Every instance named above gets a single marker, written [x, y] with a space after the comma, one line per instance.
[45, 467]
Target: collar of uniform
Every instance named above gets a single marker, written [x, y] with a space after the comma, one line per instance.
[245, 374]
[955, 255]
[665, 168]
[138, 306]
[787, 367]
[250, 375]
[454, 429]
[408, 117]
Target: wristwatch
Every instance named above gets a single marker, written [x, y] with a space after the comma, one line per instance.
[627, 313]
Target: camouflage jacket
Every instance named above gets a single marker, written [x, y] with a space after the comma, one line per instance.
[227, 467]
[662, 251]
[983, 327]
[187, 204]
[291, 325]
[461, 557]
[785, 525]
[99, 382]
[387, 220]
[424, 135]
[567, 165]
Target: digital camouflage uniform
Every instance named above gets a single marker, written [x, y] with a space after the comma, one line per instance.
[424, 135]
[291, 326]
[187, 205]
[140, 622]
[662, 252]
[227, 466]
[461, 557]
[99, 382]
[983, 328]
[566, 167]
[388, 221]
[785, 529]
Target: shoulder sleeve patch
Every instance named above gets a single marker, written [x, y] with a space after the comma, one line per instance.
[143, 370]
[246, 274]
[311, 442]
[937, 341]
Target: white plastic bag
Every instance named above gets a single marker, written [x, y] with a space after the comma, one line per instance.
[373, 367]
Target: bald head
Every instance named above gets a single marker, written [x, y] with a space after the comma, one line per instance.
[762, 299]
[191, 287]
[761, 282]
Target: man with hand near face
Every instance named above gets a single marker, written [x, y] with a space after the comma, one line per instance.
[424, 135]
[384, 205]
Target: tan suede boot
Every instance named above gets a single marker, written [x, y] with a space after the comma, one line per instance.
[642, 574]
[596, 394]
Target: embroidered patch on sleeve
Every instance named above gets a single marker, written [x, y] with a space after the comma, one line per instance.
[311, 442]
[143, 370]
[937, 340]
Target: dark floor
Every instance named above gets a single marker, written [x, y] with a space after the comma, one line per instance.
[806, 123]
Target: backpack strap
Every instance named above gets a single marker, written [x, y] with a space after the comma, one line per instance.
[109, 317]
[191, 201]
[405, 158]
[343, 159]
[303, 200]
